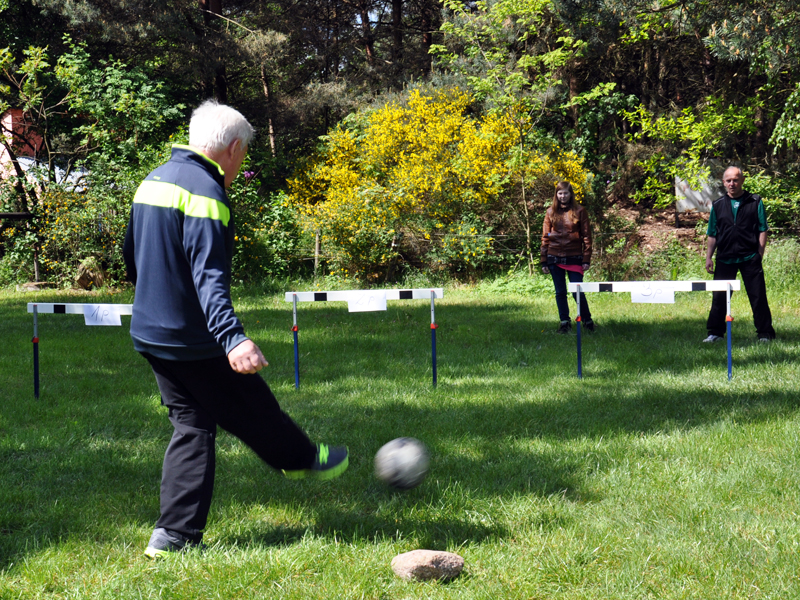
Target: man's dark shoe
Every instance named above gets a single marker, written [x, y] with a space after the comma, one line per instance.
[330, 462]
[565, 327]
[164, 541]
[588, 325]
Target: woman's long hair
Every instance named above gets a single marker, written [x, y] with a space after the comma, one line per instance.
[555, 208]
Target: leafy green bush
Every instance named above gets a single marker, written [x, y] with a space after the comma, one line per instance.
[673, 262]
[781, 196]
[681, 144]
[782, 266]
[268, 238]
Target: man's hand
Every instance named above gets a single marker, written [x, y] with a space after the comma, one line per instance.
[545, 269]
[712, 245]
[585, 266]
[247, 358]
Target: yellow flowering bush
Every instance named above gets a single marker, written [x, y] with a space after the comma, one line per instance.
[406, 172]
[426, 182]
[75, 227]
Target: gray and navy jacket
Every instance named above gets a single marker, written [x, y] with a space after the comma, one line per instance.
[178, 251]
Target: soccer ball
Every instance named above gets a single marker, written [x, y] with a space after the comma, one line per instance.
[402, 463]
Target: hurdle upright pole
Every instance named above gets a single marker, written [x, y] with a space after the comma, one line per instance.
[729, 324]
[35, 351]
[580, 365]
[296, 349]
[434, 326]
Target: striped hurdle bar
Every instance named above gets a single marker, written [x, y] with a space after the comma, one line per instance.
[363, 301]
[93, 314]
[654, 289]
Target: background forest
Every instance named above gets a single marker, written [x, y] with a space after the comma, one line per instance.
[395, 137]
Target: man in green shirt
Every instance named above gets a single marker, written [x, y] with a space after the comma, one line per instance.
[737, 231]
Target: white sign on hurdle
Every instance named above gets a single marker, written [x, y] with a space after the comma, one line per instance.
[93, 314]
[661, 292]
[363, 301]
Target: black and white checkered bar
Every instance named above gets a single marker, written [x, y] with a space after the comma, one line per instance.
[73, 308]
[347, 295]
[720, 285]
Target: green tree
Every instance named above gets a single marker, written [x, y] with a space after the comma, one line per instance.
[683, 145]
[511, 54]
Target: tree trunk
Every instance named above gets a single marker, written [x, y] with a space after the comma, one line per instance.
[366, 33]
[268, 96]
[574, 90]
[663, 72]
[431, 8]
[29, 199]
[762, 134]
[218, 85]
[397, 39]
[210, 8]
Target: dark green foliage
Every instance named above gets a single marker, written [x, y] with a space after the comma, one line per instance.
[130, 71]
[268, 238]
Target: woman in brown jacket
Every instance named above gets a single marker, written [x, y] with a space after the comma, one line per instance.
[567, 251]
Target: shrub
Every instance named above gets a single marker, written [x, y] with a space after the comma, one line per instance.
[424, 183]
[268, 237]
[781, 196]
[782, 266]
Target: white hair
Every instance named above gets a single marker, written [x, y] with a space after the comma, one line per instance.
[215, 126]
[734, 168]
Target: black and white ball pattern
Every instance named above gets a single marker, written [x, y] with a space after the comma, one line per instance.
[402, 463]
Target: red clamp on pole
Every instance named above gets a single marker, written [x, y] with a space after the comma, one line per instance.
[578, 318]
[296, 343]
[434, 326]
[728, 318]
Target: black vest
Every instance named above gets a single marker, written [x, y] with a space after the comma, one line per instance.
[740, 238]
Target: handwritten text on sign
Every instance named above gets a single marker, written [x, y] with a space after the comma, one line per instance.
[658, 294]
[102, 314]
[366, 301]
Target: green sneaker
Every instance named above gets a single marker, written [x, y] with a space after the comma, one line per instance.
[330, 462]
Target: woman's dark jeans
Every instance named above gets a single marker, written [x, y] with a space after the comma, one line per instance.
[560, 283]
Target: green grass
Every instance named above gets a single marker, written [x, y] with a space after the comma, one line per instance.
[652, 477]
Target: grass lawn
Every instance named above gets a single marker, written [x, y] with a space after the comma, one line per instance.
[652, 477]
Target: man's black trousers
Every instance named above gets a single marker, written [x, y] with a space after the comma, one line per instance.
[753, 279]
[201, 395]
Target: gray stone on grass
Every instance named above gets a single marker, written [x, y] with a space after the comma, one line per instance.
[422, 565]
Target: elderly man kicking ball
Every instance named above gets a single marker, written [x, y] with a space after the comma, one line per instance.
[178, 251]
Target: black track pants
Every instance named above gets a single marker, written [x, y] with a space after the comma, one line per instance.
[756, 288]
[201, 395]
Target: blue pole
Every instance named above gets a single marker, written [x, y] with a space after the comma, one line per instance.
[296, 344]
[580, 358]
[35, 352]
[434, 326]
[296, 359]
[729, 323]
[433, 351]
[730, 354]
[580, 366]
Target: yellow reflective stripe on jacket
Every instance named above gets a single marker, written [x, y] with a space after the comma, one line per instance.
[168, 195]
